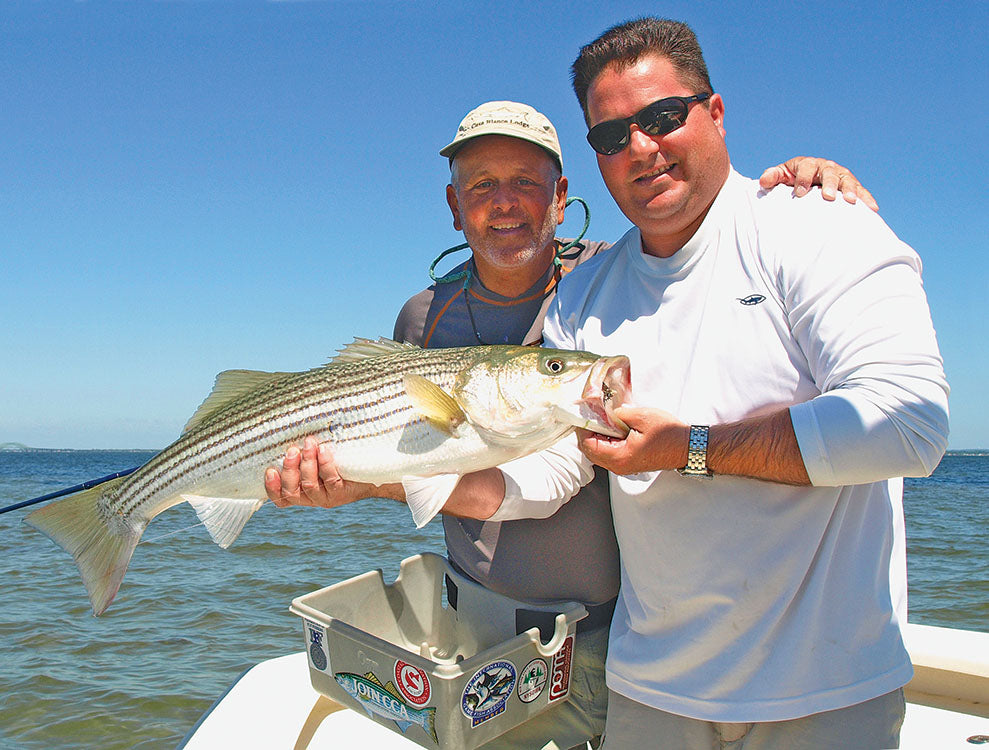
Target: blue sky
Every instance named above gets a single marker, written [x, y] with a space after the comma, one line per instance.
[192, 187]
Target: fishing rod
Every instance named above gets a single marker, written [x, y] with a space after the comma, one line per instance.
[69, 490]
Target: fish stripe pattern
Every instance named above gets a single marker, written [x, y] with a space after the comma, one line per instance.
[360, 404]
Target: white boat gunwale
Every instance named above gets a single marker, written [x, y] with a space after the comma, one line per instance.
[273, 703]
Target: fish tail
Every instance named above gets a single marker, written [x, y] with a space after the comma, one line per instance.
[102, 552]
[430, 724]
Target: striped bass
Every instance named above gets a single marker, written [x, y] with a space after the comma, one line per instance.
[392, 413]
[385, 700]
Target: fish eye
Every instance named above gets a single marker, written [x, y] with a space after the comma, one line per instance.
[554, 365]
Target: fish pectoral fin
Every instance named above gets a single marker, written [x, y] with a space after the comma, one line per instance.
[436, 405]
[223, 517]
[426, 496]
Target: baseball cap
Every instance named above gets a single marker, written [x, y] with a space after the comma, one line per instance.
[507, 118]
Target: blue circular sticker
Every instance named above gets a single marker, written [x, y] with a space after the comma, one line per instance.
[318, 657]
[488, 691]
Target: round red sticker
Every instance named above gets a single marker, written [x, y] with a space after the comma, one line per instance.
[412, 682]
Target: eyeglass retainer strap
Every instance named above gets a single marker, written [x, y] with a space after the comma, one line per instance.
[465, 273]
[587, 222]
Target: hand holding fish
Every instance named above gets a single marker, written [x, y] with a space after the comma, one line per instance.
[310, 477]
[656, 440]
[762, 447]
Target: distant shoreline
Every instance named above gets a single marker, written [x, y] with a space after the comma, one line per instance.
[21, 448]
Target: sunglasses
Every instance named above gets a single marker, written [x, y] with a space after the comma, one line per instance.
[659, 118]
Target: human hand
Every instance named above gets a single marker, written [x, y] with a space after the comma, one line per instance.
[310, 477]
[656, 440]
[802, 172]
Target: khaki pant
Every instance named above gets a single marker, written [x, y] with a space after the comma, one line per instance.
[872, 725]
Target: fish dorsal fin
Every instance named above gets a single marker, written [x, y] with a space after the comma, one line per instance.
[229, 386]
[390, 688]
[360, 349]
[435, 404]
[372, 678]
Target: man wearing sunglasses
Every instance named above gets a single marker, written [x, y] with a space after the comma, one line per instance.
[507, 194]
[785, 372]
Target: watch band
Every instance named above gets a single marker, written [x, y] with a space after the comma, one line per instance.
[697, 453]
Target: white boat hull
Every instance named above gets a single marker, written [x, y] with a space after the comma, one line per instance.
[274, 705]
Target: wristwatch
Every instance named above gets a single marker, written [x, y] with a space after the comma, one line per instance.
[697, 454]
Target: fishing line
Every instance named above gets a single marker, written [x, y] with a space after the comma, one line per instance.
[186, 528]
[170, 533]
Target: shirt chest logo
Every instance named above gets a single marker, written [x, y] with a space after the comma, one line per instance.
[752, 299]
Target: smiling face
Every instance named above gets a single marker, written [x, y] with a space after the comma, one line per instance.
[664, 184]
[507, 196]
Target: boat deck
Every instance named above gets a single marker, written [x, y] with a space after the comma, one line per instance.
[274, 705]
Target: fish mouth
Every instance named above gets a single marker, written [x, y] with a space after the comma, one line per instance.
[609, 385]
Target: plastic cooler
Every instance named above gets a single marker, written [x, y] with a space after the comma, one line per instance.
[447, 676]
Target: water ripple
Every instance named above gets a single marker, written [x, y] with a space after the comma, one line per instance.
[190, 618]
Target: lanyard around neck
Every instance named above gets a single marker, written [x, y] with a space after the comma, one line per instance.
[466, 273]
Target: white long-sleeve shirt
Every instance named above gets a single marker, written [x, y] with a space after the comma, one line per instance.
[743, 600]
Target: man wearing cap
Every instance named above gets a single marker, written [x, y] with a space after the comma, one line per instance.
[507, 194]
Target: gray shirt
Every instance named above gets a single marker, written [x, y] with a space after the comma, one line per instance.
[570, 556]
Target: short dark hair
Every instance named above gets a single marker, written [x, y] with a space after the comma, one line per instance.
[623, 45]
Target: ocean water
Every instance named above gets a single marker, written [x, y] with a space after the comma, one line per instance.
[190, 617]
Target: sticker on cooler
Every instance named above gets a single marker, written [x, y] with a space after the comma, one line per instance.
[532, 680]
[412, 682]
[316, 653]
[385, 701]
[488, 691]
[559, 683]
